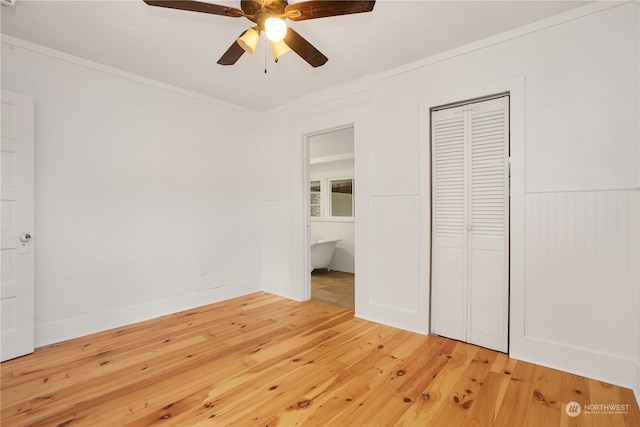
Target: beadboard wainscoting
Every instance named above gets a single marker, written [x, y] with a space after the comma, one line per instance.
[581, 281]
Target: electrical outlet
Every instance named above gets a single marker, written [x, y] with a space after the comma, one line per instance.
[202, 270]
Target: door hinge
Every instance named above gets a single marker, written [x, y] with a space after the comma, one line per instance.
[509, 171]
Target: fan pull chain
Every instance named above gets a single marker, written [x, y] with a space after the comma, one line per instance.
[265, 55]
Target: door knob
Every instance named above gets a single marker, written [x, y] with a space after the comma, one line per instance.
[25, 237]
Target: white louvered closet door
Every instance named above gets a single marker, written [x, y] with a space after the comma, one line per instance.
[470, 178]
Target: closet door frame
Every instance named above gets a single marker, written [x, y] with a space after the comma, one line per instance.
[456, 245]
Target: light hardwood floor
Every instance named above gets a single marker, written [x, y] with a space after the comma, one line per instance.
[261, 360]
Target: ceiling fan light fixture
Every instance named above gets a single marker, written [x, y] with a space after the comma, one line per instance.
[269, 16]
[279, 49]
[249, 40]
[275, 28]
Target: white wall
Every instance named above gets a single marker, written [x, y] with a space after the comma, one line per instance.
[577, 163]
[278, 252]
[136, 187]
[285, 187]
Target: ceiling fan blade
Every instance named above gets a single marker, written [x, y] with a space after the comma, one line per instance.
[232, 54]
[250, 7]
[197, 6]
[324, 8]
[299, 45]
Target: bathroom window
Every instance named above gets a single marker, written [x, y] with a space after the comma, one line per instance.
[341, 203]
[316, 199]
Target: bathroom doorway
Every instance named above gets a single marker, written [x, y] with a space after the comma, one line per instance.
[331, 210]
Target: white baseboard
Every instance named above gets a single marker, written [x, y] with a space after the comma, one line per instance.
[610, 368]
[412, 321]
[54, 332]
[636, 389]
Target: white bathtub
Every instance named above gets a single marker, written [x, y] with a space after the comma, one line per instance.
[322, 253]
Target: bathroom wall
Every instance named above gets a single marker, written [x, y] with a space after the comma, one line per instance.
[138, 185]
[326, 152]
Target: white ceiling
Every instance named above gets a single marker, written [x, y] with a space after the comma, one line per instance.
[181, 48]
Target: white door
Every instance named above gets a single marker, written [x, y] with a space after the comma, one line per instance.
[471, 222]
[449, 173]
[17, 213]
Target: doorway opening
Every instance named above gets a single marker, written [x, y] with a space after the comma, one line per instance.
[331, 216]
[470, 149]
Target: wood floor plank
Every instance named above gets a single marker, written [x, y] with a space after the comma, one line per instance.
[438, 389]
[456, 404]
[546, 401]
[260, 376]
[315, 355]
[508, 368]
[265, 360]
[575, 389]
[390, 373]
[443, 350]
[483, 411]
[362, 358]
[516, 404]
[632, 417]
[363, 368]
[602, 394]
[425, 360]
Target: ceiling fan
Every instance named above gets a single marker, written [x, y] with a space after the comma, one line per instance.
[269, 16]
